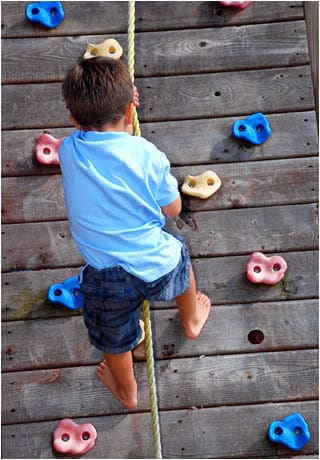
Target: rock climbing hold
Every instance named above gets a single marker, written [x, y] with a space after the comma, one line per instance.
[202, 186]
[47, 149]
[74, 439]
[109, 48]
[240, 5]
[67, 293]
[265, 270]
[48, 14]
[292, 431]
[254, 129]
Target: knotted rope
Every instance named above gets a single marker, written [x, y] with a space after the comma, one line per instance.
[151, 381]
[131, 37]
[145, 304]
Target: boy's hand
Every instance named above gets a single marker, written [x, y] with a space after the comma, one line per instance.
[136, 97]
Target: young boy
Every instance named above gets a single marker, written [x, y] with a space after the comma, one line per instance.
[118, 190]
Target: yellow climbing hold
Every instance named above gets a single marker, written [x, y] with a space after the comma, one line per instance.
[108, 48]
[202, 186]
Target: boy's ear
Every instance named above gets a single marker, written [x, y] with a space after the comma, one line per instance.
[128, 114]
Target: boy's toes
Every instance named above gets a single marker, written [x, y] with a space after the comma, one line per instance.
[203, 299]
[102, 367]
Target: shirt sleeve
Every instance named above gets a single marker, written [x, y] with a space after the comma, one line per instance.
[168, 190]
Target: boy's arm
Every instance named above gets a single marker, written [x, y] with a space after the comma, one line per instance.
[173, 209]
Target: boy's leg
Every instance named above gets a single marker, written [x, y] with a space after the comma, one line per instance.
[194, 308]
[116, 372]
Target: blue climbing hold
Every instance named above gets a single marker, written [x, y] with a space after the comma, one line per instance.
[68, 293]
[292, 431]
[254, 129]
[49, 14]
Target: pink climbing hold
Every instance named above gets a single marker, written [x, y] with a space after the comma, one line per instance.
[47, 149]
[265, 270]
[74, 439]
[236, 4]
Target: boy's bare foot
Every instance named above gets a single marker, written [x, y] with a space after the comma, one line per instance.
[203, 306]
[139, 353]
[107, 378]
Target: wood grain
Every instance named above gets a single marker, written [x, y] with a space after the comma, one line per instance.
[150, 16]
[267, 183]
[312, 24]
[246, 439]
[24, 293]
[177, 52]
[199, 68]
[211, 381]
[211, 233]
[198, 96]
[196, 142]
[211, 95]
[266, 229]
[288, 325]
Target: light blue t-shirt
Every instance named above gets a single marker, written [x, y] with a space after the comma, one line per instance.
[115, 185]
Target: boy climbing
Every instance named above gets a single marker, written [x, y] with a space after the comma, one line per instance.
[118, 189]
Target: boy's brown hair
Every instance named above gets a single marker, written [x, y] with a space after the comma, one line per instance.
[97, 91]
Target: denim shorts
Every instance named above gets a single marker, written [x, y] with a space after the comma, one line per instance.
[113, 298]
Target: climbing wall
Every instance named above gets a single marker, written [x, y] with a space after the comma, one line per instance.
[199, 68]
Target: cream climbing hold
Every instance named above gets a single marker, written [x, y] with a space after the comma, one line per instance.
[109, 48]
[202, 186]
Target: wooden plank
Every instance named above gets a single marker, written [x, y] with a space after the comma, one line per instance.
[24, 294]
[183, 97]
[207, 141]
[269, 229]
[40, 245]
[129, 436]
[53, 336]
[211, 381]
[184, 142]
[284, 325]
[211, 14]
[18, 152]
[312, 22]
[281, 228]
[77, 20]
[232, 432]
[267, 183]
[177, 52]
[149, 16]
[224, 279]
[225, 94]
[245, 374]
[30, 198]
